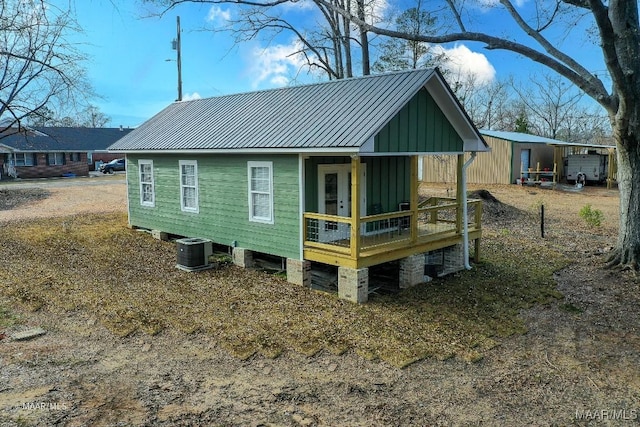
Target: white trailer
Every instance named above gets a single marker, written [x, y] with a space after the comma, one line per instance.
[589, 167]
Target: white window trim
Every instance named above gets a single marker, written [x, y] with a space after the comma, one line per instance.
[27, 160]
[269, 165]
[184, 208]
[55, 159]
[143, 202]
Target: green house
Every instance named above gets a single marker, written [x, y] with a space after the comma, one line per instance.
[323, 173]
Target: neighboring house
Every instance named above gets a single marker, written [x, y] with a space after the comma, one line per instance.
[515, 156]
[325, 173]
[46, 152]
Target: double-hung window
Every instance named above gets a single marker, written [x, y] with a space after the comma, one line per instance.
[24, 159]
[56, 159]
[147, 191]
[260, 191]
[189, 185]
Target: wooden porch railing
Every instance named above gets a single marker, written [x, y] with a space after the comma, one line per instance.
[436, 217]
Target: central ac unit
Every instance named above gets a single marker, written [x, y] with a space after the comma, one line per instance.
[194, 253]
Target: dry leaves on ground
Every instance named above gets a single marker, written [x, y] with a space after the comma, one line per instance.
[129, 280]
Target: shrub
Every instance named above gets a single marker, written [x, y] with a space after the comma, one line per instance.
[593, 217]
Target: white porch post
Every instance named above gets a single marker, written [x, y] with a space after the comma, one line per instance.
[459, 190]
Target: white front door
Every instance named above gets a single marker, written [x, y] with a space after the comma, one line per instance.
[334, 198]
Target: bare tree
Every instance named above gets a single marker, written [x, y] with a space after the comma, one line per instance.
[330, 46]
[617, 37]
[92, 117]
[41, 117]
[557, 109]
[38, 66]
[322, 49]
[490, 106]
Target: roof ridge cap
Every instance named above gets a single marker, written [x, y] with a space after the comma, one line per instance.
[307, 85]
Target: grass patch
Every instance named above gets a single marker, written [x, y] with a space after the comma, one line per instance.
[570, 308]
[129, 281]
[7, 318]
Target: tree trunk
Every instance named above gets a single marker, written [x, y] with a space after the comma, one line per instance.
[364, 40]
[627, 251]
[346, 41]
[337, 58]
[336, 38]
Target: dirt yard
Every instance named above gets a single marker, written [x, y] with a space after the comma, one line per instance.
[578, 363]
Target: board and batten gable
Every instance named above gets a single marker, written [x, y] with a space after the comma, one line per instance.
[419, 127]
[223, 201]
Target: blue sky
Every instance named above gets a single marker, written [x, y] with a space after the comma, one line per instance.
[128, 52]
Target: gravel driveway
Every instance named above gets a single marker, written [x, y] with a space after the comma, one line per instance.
[67, 196]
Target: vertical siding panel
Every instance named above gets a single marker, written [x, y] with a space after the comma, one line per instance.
[488, 168]
[431, 127]
[414, 124]
[373, 189]
[394, 134]
[403, 131]
[407, 174]
[383, 140]
[391, 179]
[437, 127]
[398, 185]
[402, 180]
[446, 137]
[419, 126]
[383, 179]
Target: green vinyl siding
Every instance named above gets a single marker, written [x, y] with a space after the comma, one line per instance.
[223, 202]
[388, 181]
[420, 126]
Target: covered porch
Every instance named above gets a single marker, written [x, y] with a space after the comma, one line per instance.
[362, 239]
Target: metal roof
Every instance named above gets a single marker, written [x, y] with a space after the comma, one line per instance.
[341, 115]
[62, 139]
[525, 138]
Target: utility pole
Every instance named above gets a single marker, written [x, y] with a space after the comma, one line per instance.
[176, 47]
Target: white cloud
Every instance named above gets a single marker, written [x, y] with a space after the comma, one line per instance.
[279, 80]
[275, 64]
[461, 61]
[218, 14]
[191, 96]
[298, 6]
[377, 11]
